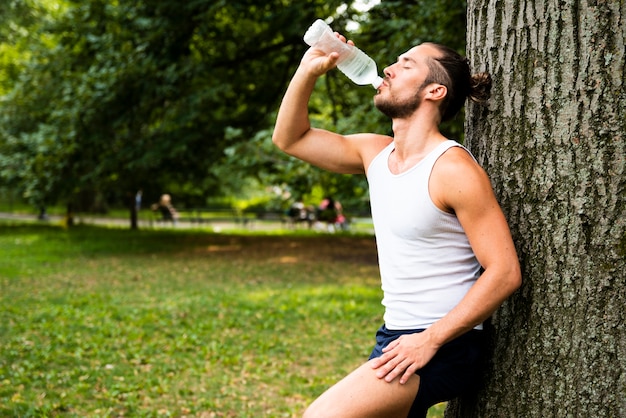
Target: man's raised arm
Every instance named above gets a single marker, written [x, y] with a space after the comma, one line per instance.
[293, 132]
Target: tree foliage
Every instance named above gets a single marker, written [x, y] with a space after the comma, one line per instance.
[104, 97]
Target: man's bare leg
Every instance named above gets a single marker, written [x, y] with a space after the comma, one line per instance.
[362, 395]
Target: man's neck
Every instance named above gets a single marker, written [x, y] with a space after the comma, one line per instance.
[416, 136]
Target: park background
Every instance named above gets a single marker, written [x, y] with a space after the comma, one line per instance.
[102, 98]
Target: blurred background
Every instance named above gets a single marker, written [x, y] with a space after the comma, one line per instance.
[104, 102]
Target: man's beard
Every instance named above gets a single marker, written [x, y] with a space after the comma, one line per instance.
[395, 109]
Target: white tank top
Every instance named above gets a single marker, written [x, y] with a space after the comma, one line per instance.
[426, 262]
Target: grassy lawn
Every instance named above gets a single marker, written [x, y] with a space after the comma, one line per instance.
[98, 322]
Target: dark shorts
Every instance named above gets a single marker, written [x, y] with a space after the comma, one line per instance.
[455, 369]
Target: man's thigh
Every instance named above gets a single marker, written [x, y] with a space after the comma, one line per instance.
[361, 394]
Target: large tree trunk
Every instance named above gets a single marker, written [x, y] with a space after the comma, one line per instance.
[553, 142]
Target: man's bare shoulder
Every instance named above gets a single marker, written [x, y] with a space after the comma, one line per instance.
[457, 161]
[457, 177]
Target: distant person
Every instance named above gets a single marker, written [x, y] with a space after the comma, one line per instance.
[327, 212]
[138, 200]
[446, 256]
[341, 221]
[166, 209]
[298, 212]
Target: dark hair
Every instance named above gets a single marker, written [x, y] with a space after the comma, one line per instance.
[452, 70]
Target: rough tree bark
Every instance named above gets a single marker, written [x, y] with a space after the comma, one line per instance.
[553, 142]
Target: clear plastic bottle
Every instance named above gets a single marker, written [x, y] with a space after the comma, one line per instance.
[353, 62]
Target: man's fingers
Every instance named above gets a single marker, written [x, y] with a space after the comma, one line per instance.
[401, 368]
[386, 367]
[391, 346]
[410, 371]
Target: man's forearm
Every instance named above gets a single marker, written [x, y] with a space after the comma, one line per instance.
[292, 121]
[485, 296]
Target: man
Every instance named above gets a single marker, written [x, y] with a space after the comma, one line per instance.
[446, 256]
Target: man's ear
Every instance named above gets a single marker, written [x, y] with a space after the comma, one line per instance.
[436, 92]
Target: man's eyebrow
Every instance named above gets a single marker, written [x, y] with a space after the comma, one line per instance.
[406, 58]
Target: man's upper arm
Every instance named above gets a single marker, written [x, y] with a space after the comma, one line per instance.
[458, 184]
[464, 188]
[347, 154]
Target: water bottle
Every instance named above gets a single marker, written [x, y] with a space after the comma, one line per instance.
[355, 64]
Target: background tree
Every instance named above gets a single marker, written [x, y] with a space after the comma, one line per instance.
[113, 96]
[553, 141]
[21, 22]
[123, 95]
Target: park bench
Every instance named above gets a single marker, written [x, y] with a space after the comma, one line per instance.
[212, 215]
[256, 215]
[209, 215]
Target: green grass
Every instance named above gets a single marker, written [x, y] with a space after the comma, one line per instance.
[99, 322]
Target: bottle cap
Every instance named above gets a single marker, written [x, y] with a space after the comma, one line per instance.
[377, 82]
[314, 33]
